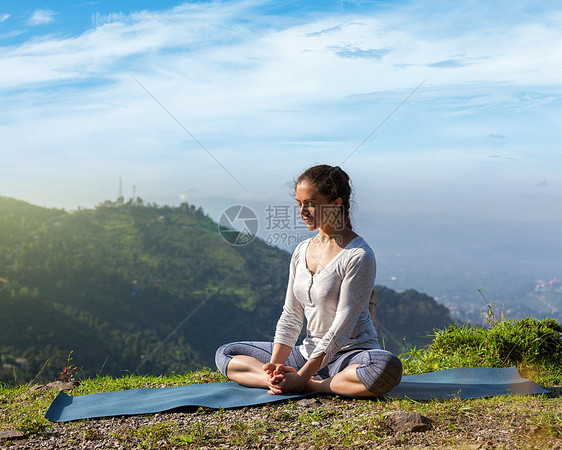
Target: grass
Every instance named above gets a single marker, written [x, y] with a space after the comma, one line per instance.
[535, 347]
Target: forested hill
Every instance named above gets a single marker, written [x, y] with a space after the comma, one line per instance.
[147, 288]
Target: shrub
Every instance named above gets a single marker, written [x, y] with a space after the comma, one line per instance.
[529, 343]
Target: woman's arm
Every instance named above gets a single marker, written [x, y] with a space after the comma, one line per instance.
[278, 358]
[290, 323]
[280, 353]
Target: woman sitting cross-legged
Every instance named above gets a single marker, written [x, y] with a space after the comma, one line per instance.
[331, 281]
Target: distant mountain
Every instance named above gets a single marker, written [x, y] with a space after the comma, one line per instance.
[130, 287]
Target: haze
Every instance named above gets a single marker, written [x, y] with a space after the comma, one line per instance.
[217, 103]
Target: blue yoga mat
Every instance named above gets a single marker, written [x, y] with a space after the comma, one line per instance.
[466, 382]
[453, 383]
[147, 401]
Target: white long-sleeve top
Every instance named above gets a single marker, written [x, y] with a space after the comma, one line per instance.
[335, 302]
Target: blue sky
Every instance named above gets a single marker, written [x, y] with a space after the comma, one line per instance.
[270, 87]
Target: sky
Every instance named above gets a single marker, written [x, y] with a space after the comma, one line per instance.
[441, 108]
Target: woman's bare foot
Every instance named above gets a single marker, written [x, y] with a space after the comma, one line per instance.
[314, 385]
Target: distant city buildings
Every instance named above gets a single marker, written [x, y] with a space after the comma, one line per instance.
[548, 286]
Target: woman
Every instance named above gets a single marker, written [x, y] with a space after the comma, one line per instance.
[331, 281]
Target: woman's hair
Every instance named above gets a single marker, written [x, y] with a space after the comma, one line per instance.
[333, 183]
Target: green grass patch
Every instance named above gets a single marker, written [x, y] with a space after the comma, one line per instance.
[23, 410]
[534, 346]
[130, 381]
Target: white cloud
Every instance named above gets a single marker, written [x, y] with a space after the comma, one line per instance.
[4, 17]
[101, 19]
[41, 17]
[213, 47]
[255, 89]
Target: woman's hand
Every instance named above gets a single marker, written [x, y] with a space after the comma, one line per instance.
[284, 379]
[273, 372]
[275, 368]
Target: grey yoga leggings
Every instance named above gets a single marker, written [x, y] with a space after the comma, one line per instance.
[379, 370]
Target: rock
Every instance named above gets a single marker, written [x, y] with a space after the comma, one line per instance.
[63, 385]
[308, 402]
[536, 431]
[407, 421]
[304, 403]
[10, 435]
[36, 388]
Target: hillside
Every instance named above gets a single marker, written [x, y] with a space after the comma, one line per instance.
[131, 287]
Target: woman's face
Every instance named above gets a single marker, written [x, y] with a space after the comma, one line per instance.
[315, 209]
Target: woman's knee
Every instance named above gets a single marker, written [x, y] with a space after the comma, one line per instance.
[222, 358]
[258, 350]
[381, 373]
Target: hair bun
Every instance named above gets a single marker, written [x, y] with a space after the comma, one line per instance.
[340, 170]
